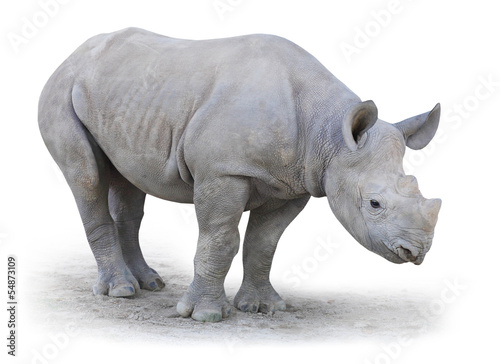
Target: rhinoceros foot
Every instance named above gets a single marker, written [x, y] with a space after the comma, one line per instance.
[203, 305]
[261, 298]
[124, 285]
[148, 278]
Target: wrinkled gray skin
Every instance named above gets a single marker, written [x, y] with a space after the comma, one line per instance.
[246, 123]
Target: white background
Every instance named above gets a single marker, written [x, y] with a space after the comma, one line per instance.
[424, 52]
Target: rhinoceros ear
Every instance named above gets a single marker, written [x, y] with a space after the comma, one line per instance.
[358, 119]
[419, 130]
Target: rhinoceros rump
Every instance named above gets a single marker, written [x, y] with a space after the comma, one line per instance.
[246, 123]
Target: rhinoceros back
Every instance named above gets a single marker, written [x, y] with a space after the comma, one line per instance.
[143, 95]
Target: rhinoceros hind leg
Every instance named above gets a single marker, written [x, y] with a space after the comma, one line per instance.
[90, 189]
[87, 171]
[126, 204]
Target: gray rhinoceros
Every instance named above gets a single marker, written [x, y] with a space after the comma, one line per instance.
[245, 123]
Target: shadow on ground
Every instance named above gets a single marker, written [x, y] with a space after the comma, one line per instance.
[310, 316]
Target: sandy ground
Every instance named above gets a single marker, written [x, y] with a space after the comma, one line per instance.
[63, 295]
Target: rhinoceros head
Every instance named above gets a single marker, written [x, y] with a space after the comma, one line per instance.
[368, 191]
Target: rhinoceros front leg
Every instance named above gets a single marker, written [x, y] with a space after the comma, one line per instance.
[219, 204]
[126, 205]
[265, 227]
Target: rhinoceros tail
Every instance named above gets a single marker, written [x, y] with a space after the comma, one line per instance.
[66, 138]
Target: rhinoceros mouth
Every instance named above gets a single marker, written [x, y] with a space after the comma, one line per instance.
[408, 252]
[392, 255]
[405, 254]
[402, 252]
[399, 252]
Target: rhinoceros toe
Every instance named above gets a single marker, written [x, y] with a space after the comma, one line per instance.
[203, 306]
[262, 299]
[117, 287]
[117, 282]
[150, 280]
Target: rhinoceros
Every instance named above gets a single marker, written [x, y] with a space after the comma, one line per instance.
[250, 123]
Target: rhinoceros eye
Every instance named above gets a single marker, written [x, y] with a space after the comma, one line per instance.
[375, 204]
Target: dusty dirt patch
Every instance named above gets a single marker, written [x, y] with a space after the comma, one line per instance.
[63, 295]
